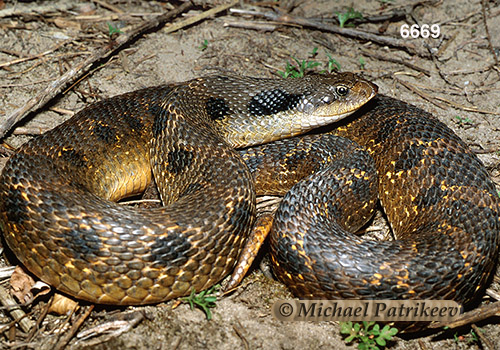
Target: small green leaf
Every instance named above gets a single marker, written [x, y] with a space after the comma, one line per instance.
[380, 341]
[368, 334]
[204, 45]
[313, 53]
[113, 30]
[362, 63]
[350, 14]
[345, 327]
[203, 300]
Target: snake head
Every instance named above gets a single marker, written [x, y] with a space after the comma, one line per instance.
[334, 98]
[251, 111]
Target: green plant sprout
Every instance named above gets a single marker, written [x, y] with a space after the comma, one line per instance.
[204, 45]
[204, 300]
[369, 335]
[346, 16]
[299, 68]
[113, 30]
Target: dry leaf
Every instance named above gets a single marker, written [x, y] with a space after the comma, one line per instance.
[62, 305]
[21, 284]
[24, 287]
[66, 24]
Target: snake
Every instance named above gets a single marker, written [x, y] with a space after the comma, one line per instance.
[211, 145]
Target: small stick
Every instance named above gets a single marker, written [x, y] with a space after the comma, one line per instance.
[261, 26]
[465, 108]
[239, 333]
[422, 94]
[483, 6]
[476, 315]
[398, 61]
[51, 7]
[17, 313]
[32, 57]
[108, 6]
[197, 18]
[44, 313]
[67, 337]
[354, 33]
[55, 87]
[483, 337]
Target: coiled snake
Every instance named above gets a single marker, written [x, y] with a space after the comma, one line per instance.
[58, 192]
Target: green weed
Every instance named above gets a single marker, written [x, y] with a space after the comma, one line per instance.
[332, 64]
[463, 121]
[346, 16]
[362, 63]
[204, 300]
[113, 30]
[368, 335]
[203, 45]
[298, 68]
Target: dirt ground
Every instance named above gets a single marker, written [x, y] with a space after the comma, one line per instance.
[43, 39]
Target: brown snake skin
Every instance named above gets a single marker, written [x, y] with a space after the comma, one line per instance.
[57, 193]
[437, 195]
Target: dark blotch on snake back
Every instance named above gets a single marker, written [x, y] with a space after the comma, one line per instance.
[428, 197]
[18, 207]
[170, 251]
[410, 157]
[273, 101]
[217, 109]
[179, 160]
[105, 132]
[74, 157]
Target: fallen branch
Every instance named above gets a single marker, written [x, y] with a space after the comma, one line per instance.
[396, 60]
[473, 316]
[287, 19]
[15, 310]
[55, 87]
[490, 45]
[21, 9]
[64, 340]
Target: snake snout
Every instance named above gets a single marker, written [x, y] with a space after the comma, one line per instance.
[342, 99]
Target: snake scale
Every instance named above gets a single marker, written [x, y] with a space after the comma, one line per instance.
[59, 215]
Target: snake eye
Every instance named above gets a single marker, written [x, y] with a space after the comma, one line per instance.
[342, 90]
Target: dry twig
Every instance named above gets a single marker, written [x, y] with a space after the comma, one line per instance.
[483, 7]
[14, 309]
[396, 60]
[32, 57]
[27, 9]
[484, 338]
[67, 337]
[419, 92]
[105, 331]
[476, 315]
[286, 19]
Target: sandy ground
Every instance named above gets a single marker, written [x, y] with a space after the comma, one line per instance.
[459, 80]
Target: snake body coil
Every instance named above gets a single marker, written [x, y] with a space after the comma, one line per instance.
[57, 193]
[437, 195]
